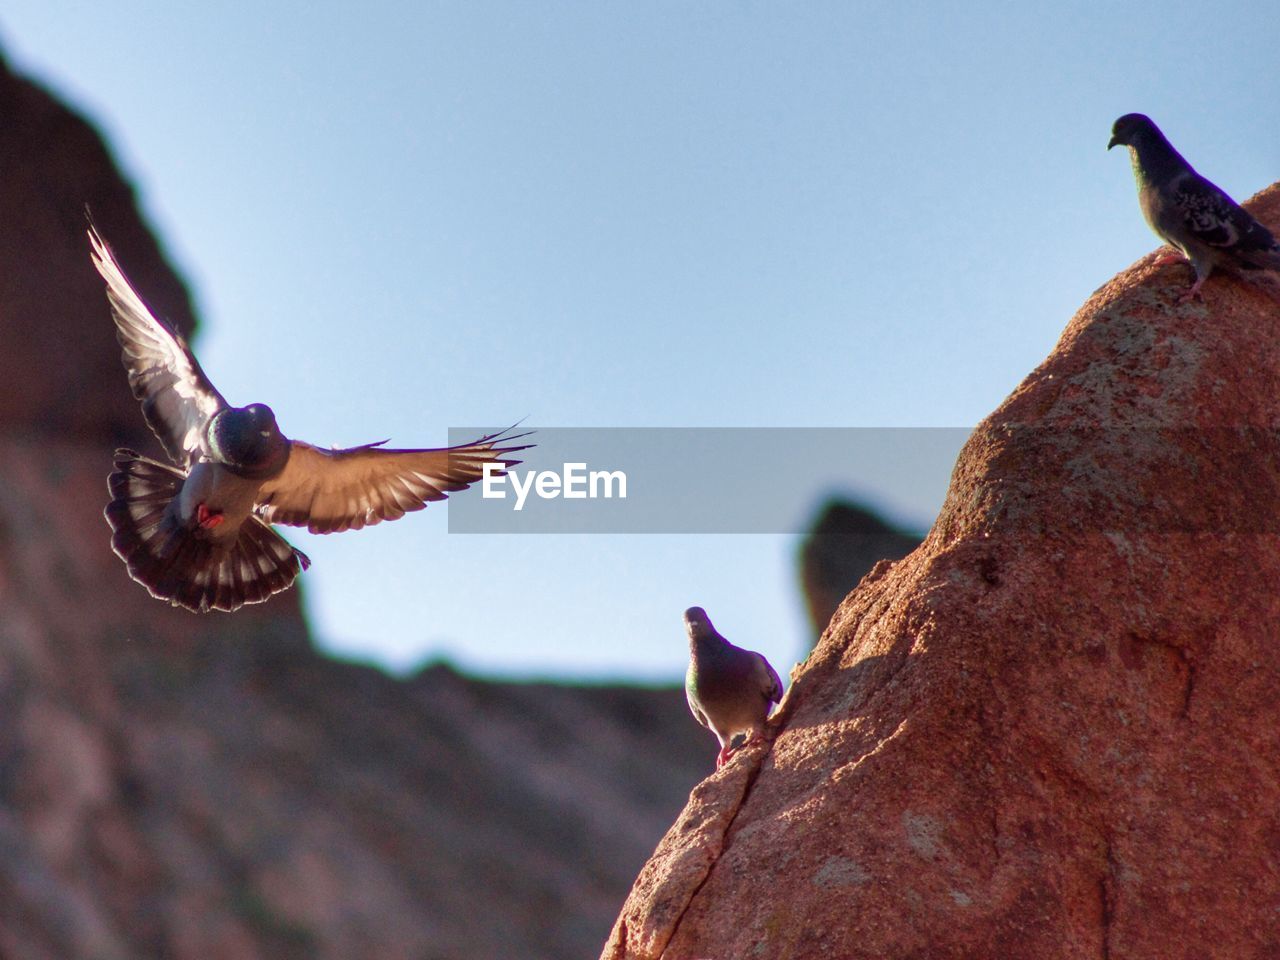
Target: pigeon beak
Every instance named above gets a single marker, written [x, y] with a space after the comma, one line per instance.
[694, 615]
[695, 620]
[1115, 142]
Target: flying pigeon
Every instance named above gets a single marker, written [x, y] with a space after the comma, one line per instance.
[730, 690]
[1189, 212]
[199, 534]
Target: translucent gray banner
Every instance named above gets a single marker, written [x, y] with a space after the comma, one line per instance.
[699, 480]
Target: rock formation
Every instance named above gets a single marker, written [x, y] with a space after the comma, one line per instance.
[211, 788]
[1054, 729]
[846, 541]
[60, 369]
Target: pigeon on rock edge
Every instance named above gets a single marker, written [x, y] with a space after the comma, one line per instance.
[1187, 211]
[730, 690]
[199, 535]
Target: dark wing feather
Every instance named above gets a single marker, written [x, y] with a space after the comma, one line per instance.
[177, 398]
[1216, 220]
[770, 682]
[328, 491]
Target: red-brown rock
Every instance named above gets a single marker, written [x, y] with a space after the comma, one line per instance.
[1054, 729]
[59, 361]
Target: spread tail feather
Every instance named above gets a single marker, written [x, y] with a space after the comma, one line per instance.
[177, 565]
[1268, 259]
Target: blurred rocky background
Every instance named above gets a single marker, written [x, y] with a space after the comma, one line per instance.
[212, 787]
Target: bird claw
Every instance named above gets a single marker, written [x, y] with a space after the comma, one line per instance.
[726, 753]
[208, 519]
[1192, 293]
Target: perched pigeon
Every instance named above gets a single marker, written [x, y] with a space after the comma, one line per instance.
[730, 690]
[199, 535]
[1189, 212]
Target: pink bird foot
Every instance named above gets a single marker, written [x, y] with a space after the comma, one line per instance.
[723, 757]
[1193, 292]
[207, 518]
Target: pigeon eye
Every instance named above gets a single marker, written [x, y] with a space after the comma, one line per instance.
[264, 433]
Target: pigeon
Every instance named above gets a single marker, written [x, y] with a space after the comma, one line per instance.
[1187, 211]
[730, 690]
[198, 534]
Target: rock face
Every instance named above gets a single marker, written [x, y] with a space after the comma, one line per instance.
[60, 368]
[1054, 729]
[210, 787]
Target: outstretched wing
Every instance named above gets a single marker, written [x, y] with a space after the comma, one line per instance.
[328, 491]
[177, 398]
[1217, 221]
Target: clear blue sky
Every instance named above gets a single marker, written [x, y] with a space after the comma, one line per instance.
[403, 217]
